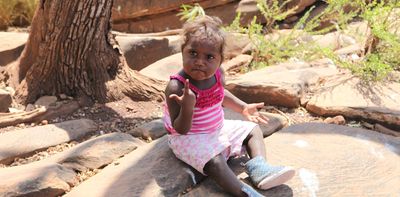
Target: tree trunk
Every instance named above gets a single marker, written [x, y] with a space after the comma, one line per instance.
[71, 50]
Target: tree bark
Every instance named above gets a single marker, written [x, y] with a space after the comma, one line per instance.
[71, 50]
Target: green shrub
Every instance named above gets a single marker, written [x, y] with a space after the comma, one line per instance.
[274, 11]
[382, 46]
[189, 12]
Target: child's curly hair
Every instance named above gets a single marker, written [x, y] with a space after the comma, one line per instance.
[204, 27]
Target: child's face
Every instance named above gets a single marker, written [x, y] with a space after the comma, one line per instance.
[201, 58]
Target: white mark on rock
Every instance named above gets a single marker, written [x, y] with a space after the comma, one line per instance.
[191, 175]
[301, 143]
[310, 180]
[376, 153]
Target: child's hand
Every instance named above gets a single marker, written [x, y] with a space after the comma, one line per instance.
[250, 111]
[188, 98]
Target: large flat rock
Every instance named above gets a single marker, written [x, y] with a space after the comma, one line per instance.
[330, 160]
[56, 175]
[164, 68]
[141, 50]
[11, 46]
[46, 179]
[145, 16]
[155, 129]
[25, 141]
[352, 98]
[275, 121]
[150, 170]
[333, 160]
[281, 84]
[97, 152]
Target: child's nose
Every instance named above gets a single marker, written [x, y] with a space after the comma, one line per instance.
[200, 62]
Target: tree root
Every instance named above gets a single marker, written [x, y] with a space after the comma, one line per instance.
[37, 115]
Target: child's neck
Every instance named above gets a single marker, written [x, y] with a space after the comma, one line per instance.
[200, 84]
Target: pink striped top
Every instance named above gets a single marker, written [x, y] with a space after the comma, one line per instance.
[208, 115]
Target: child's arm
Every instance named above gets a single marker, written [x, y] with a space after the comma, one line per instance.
[180, 107]
[250, 111]
[232, 102]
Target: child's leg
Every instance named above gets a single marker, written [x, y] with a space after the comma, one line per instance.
[263, 175]
[254, 143]
[218, 169]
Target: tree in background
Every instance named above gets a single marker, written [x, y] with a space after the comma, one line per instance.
[72, 51]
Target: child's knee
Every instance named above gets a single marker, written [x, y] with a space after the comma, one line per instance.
[256, 131]
[216, 163]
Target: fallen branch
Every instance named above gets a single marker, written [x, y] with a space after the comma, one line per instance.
[290, 122]
[21, 117]
[384, 130]
[37, 115]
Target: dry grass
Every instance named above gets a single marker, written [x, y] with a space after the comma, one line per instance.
[16, 12]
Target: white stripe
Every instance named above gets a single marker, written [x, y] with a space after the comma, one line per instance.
[209, 127]
[205, 116]
[216, 115]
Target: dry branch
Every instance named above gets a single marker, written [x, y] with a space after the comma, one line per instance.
[36, 115]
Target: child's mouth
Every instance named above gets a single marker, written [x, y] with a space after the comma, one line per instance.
[197, 70]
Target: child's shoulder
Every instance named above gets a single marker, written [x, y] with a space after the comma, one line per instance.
[174, 86]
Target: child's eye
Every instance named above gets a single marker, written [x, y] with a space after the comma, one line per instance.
[193, 53]
[210, 57]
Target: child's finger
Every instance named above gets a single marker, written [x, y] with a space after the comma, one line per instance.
[260, 105]
[254, 119]
[175, 97]
[263, 119]
[186, 89]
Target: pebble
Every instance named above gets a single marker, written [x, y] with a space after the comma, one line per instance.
[44, 122]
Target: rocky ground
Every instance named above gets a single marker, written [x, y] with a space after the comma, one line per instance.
[119, 116]
[125, 115]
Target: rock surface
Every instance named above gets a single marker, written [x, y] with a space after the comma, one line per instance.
[355, 160]
[36, 180]
[141, 50]
[151, 170]
[12, 44]
[378, 102]
[46, 101]
[330, 160]
[97, 152]
[164, 68]
[55, 175]
[275, 121]
[281, 85]
[36, 138]
[145, 16]
[5, 100]
[155, 129]
[150, 131]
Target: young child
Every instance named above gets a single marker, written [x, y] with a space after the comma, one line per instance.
[194, 117]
